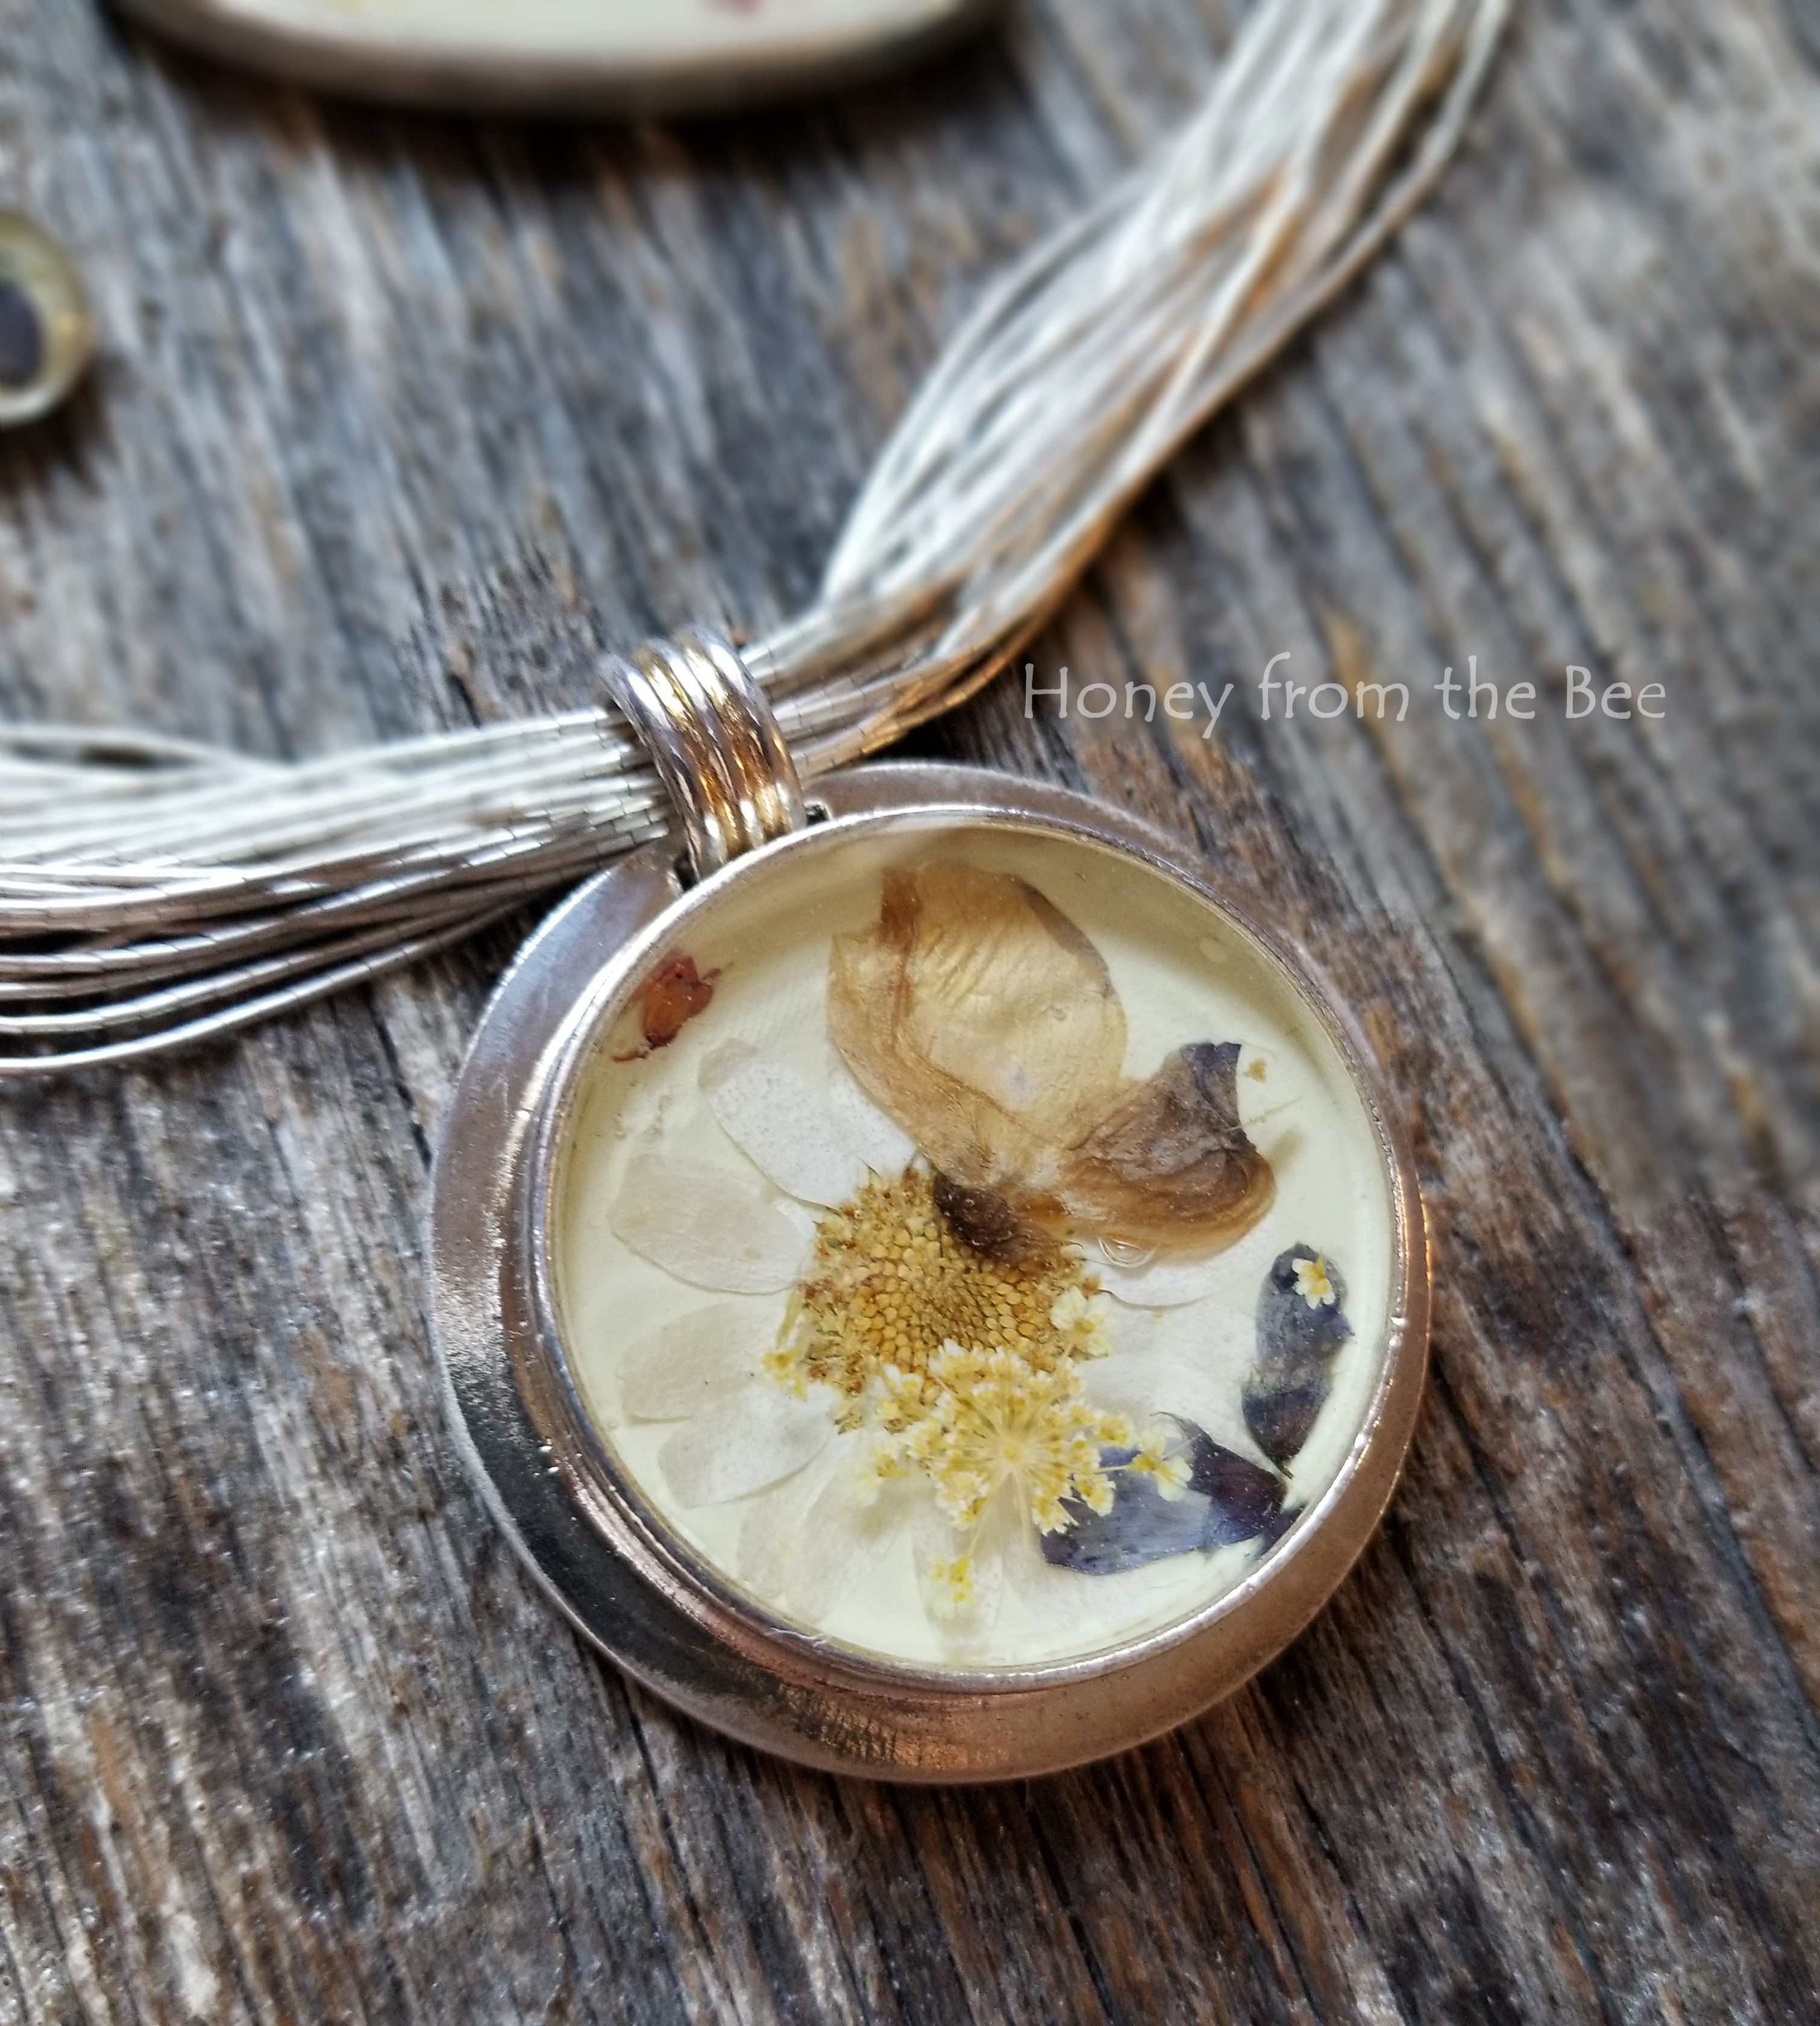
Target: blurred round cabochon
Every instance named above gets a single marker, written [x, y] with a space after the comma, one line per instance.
[562, 55]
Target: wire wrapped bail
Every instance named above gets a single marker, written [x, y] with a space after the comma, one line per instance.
[714, 741]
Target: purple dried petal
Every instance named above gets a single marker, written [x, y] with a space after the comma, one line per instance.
[1297, 1342]
[1244, 1500]
[1228, 1500]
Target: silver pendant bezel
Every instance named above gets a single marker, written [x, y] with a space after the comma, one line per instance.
[610, 1564]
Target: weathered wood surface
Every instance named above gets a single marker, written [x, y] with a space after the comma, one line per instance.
[288, 1737]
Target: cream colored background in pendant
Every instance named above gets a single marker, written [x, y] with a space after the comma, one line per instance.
[1183, 974]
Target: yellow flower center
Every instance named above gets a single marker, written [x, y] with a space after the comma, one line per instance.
[891, 1282]
[968, 1367]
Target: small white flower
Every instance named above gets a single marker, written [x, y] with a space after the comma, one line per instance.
[1083, 1322]
[1314, 1285]
[1162, 1457]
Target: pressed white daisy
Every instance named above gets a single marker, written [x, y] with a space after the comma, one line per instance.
[895, 1378]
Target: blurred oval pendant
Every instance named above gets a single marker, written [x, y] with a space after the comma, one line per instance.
[930, 1287]
[47, 334]
[639, 55]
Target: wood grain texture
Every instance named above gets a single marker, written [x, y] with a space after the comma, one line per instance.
[288, 1737]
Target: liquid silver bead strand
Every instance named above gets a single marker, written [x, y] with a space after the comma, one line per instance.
[155, 894]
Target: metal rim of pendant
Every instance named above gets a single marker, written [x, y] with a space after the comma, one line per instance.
[47, 331]
[396, 63]
[611, 1563]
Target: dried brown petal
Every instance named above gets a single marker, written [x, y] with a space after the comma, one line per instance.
[978, 1017]
[1168, 1162]
[981, 1020]
[988, 1222]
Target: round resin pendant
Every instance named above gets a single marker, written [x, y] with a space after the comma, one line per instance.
[940, 1296]
[642, 56]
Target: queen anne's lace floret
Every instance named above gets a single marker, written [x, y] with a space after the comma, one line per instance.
[1314, 1284]
[998, 1419]
[1162, 1457]
[1080, 1321]
[951, 1591]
